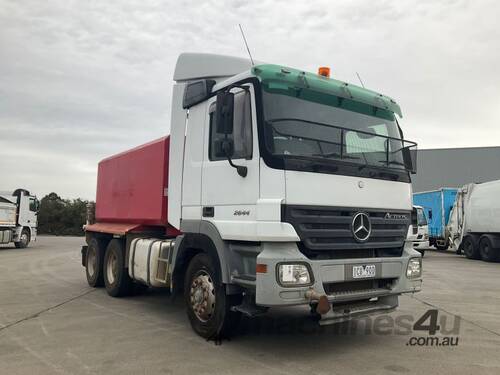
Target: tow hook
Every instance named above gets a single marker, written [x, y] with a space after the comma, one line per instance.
[323, 305]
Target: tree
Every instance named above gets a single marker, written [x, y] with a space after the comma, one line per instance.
[61, 217]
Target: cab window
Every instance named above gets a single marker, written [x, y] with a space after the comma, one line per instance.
[242, 129]
[33, 204]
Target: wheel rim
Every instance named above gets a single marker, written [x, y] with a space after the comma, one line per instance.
[486, 249]
[202, 296]
[111, 268]
[91, 261]
[24, 238]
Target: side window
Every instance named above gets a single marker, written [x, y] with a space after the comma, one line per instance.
[33, 205]
[242, 129]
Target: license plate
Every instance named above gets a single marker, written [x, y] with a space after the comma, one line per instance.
[361, 272]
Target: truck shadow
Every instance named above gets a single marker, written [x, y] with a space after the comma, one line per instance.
[281, 329]
[8, 247]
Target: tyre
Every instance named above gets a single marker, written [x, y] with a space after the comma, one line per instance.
[421, 252]
[93, 262]
[442, 246]
[470, 247]
[116, 279]
[208, 306]
[487, 251]
[24, 239]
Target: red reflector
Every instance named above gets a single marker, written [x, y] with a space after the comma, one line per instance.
[261, 268]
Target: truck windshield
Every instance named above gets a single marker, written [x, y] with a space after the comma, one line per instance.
[319, 129]
[421, 220]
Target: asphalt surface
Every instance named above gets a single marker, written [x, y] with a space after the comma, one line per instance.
[51, 322]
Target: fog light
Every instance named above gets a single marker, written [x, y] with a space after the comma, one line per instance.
[414, 269]
[293, 275]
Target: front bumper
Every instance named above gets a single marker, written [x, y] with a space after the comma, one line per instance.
[420, 244]
[335, 274]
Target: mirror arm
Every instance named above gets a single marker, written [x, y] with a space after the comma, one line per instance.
[241, 169]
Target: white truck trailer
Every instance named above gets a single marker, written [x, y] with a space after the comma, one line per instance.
[276, 187]
[18, 217]
[474, 225]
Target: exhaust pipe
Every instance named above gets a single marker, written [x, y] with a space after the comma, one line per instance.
[322, 300]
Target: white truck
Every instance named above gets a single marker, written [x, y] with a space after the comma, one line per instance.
[418, 231]
[276, 187]
[18, 217]
[474, 225]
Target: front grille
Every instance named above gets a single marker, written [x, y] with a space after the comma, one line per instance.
[325, 232]
[357, 286]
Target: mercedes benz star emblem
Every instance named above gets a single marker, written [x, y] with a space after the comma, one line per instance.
[361, 227]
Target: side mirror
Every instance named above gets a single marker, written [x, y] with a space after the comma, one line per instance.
[196, 92]
[410, 159]
[224, 112]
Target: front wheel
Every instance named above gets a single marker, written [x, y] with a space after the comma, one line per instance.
[24, 239]
[208, 306]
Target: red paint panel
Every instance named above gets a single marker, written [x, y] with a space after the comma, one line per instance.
[130, 185]
[113, 228]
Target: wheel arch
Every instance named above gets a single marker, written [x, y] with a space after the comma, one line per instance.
[29, 231]
[198, 237]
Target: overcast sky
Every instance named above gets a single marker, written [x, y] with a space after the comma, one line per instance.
[81, 80]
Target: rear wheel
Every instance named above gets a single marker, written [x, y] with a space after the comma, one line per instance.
[487, 251]
[93, 262]
[24, 239]
[116, 279]
[470, 247]
[442, 245]
[208, 306]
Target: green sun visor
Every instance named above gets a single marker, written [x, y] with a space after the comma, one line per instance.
[316, 88]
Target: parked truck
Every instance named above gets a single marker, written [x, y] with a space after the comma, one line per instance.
[18, 217]
[275, 187]
[474, 225]
[418, 231]
[437, 206]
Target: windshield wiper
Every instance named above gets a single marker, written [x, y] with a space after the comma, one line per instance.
[392, 162]
[328, 155]
[337, 155]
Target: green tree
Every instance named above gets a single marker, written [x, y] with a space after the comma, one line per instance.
[61, 217]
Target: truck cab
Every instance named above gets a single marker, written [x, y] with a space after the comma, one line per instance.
[418, 231]
[284, 188]
[18, 217]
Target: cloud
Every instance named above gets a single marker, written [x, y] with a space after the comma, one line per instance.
[82, 80]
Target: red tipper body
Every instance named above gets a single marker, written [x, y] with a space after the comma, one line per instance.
[131, 190]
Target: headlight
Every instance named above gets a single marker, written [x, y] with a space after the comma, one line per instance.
[293, 275]
[414, 269]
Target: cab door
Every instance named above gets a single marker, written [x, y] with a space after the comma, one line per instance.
[28, 211]
[229, 200]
